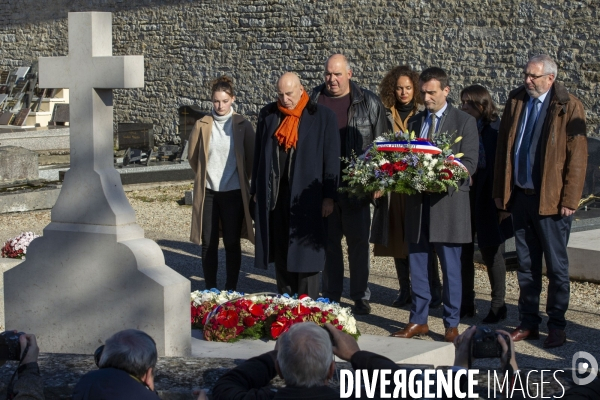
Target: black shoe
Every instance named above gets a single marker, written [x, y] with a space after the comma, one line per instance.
[495, 317]
[362, 307]
[468, 311]
[403, 299]
[436, 297]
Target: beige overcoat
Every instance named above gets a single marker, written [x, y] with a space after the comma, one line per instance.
[243, 144]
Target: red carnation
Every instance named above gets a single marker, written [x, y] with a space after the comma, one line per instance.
[400, 166]
[388, 169]
[302, 296]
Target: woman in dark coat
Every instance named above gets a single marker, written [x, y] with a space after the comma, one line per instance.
[401, 97]
[491, 234]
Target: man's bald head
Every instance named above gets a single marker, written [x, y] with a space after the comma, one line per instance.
[338, 59]
[337, 75]
[289, 90]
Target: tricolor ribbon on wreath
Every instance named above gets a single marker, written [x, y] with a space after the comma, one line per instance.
[416, 146]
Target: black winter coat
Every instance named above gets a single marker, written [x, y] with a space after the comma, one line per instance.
[366, 118]
[485, 213]
[111, 383]
[313, 176]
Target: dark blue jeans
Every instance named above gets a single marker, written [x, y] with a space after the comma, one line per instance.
[538, 236]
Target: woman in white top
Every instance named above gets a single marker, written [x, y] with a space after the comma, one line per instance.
[221, 151]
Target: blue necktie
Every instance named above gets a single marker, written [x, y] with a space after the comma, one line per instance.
[526, 142]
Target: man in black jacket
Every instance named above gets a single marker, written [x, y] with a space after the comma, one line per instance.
[127, 365]
[361, 118]
[303, 358]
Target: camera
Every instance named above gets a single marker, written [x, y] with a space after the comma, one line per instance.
[10, 348]
[484, 344]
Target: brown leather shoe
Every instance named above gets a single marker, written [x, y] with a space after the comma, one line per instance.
[556, 338]
[412, 330]
[521, 333]
[451, 334]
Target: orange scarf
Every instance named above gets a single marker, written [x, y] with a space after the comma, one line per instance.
[287, 133]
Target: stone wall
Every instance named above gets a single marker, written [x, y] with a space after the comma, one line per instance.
[188, 43]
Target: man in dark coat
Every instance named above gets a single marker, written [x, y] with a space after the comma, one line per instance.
[439, 220]
[127, 364]
[294, 185]
[303, 358]
[360, 119]
[540, 171]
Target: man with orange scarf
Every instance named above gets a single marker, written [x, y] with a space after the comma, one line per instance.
[294, 184]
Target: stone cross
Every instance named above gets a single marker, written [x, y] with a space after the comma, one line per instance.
[93, 273]
[90, 71]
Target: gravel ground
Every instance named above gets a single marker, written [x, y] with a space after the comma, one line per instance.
[164, 218]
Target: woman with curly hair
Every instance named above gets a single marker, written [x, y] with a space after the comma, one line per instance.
[485, 218]
[221, 153]
[401, 97]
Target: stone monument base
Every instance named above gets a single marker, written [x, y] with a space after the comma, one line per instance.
[82, 283]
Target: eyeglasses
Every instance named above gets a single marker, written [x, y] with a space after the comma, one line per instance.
[532, 77]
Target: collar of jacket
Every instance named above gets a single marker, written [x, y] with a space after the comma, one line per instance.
[560, 93]
[208, 119]
[356, 93]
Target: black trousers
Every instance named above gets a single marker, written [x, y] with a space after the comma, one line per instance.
[538, 236]
[350, 218]
[288, 282]
[496, 269]
[224, 209]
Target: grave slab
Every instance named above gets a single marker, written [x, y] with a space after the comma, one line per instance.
[583, 251]
[38, 139]
[17, 164]
[404, 351]
[29, 199]
[93, 273]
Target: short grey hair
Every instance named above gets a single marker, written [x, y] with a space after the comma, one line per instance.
[550, 66]
[131, 350]
[305, 355]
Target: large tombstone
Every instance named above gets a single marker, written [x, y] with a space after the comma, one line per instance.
[93, 272]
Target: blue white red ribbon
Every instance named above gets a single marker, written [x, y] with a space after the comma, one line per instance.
[416, 146]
